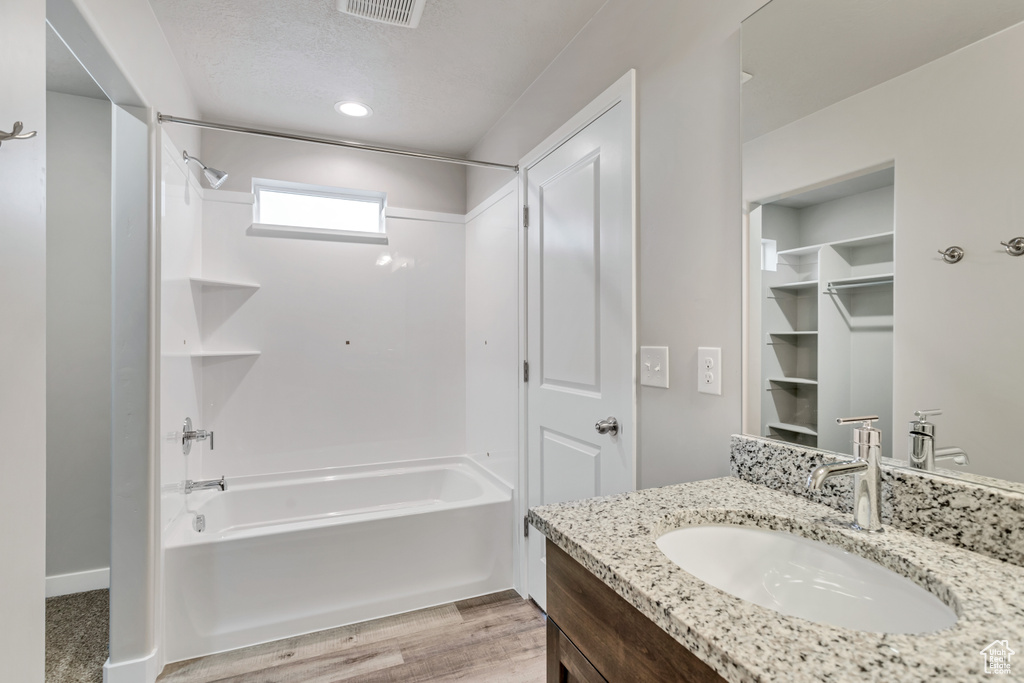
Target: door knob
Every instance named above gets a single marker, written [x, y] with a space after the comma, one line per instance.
[608, 426]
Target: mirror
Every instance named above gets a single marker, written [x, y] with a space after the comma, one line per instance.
[877, 134]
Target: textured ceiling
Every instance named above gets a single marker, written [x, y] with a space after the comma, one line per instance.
[284, 63]
[805, 55]
[66, 74]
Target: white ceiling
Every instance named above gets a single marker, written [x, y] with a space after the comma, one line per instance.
[805, 55]
[284, 63]
[838, 190]
[64, 73]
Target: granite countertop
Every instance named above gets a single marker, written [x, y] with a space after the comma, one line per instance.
[614, 538]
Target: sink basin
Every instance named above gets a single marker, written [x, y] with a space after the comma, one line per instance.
[803, 578]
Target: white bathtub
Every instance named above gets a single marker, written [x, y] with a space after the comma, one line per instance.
[289, 554]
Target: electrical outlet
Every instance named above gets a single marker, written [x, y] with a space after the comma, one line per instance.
[654, 366]
[709, 370]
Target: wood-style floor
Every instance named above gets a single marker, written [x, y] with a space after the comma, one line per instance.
[495, 638]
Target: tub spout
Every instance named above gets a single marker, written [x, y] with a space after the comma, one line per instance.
[191, 486]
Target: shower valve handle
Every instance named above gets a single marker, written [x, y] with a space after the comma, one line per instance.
[188, 435]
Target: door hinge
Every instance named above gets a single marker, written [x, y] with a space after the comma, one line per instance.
[526, 216]
[526, 371]
[526, 526]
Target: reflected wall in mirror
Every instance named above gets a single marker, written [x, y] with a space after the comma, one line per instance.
[878, 133]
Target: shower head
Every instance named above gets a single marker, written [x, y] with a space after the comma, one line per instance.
[213, 176]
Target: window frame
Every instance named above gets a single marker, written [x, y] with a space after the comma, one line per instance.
[378, 236]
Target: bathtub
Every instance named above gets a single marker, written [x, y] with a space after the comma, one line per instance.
[293, 553]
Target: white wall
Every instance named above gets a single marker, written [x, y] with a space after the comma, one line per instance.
[686, 54]
[23, 340]
[492, 334]
[361, 361]
[78, 250]
[952, 127]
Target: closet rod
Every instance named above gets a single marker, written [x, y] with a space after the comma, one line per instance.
[853, 285]
[164, 118]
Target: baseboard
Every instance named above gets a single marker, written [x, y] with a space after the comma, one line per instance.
[77, 582]
[144, 670]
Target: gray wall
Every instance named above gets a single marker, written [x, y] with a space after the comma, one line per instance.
[410, 183]
[78, 342]
[686, 53]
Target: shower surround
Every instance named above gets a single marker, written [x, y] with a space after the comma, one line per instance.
[334, 377]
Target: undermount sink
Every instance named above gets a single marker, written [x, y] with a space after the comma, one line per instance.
[799, 577]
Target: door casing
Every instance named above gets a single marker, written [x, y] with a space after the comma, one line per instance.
[622, 91]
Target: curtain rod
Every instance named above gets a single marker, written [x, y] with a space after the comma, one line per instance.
[164, 118]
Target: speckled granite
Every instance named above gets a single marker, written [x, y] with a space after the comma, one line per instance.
[614, 538]
[964, 513]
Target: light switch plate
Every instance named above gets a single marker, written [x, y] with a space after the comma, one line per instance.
[709, 370]
[654, 366]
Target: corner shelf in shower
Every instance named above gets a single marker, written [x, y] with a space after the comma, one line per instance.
[224, 353]
[209, 283]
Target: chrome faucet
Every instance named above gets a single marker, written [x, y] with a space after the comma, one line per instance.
[866, 471]
[188, 435]
[191, 486]
[923, 452]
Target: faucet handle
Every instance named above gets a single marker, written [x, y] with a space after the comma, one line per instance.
[867, 420]
[865, 437]
[923, 415]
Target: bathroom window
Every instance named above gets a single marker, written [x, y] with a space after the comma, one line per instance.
[285, 209]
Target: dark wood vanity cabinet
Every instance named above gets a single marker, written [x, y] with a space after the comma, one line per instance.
[594, 635]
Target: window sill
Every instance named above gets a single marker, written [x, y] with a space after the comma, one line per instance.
[292, 232]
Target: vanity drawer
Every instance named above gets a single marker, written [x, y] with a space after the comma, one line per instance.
[610, 634]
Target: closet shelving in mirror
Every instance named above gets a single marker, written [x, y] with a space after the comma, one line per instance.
[865, 241]
[806, 430]
[860, 281]
[791, 380]
[826, 312]
[795, 286]
[788, 337]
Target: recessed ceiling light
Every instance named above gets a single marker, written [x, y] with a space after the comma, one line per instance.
[357, 109]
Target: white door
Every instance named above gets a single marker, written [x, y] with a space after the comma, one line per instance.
[22, 340]
[580, 321]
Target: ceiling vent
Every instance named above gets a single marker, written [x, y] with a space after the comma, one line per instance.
[397, 12]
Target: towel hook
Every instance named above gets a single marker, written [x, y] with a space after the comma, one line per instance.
[952, 254]
[16, 133]
[1014, 247]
